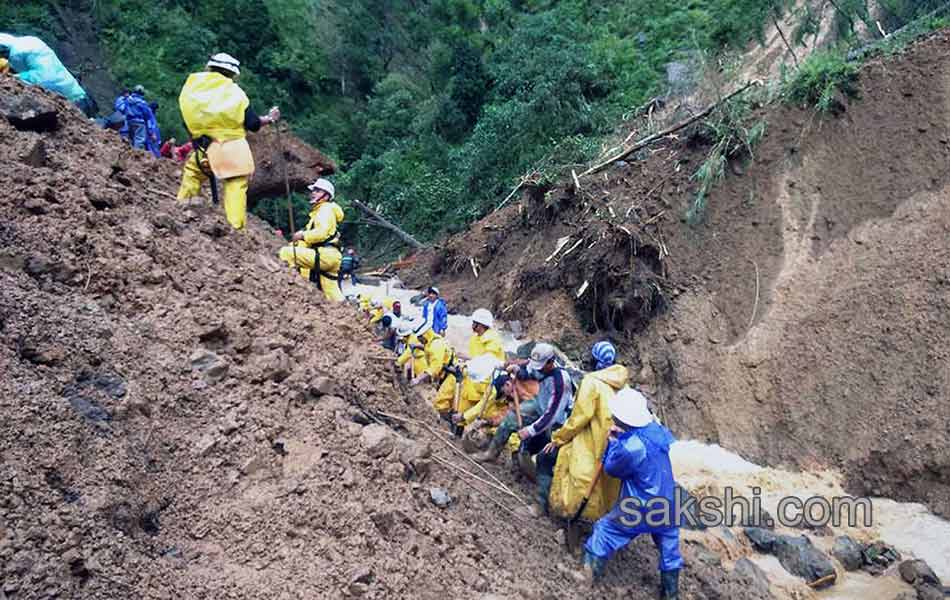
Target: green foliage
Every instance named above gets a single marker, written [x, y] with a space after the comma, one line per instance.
[734, 131]
[274, 211]
[821, 77]
[31, 18]
[435, 109]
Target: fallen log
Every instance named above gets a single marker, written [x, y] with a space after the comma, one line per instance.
[388, 225]
[662, 134]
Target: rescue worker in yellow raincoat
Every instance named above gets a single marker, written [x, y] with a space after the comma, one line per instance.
[413, 358]
[583, 438]
[500, 401]
[485, 341]
[382, 307]
[439, 354]
[218, 116]
[315, 250]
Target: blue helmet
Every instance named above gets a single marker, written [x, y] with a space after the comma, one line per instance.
[604, 353]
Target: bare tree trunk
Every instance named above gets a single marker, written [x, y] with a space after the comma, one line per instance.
[388, 225]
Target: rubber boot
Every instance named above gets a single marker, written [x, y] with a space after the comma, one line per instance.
[490, 454]
[670, 585]
[592, 569]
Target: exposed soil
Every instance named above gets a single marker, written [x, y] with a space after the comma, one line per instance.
[185, 419]
[803, 322]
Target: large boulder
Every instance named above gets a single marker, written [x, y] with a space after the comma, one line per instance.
[377, 441]
[800, 557]
[848, 552]
[752, 575]
[29, 112]
[918, 572]
[762, 540]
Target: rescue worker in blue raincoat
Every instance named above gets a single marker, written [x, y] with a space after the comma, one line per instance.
[138, 116]
[35, 63]
[434, 311]
[638, 453]
[154, 141]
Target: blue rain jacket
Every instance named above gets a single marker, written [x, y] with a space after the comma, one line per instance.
[440, 315]
[154, 140]
[35, 63]
[640, 458]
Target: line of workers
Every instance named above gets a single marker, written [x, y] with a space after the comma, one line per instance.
[530, 407]
[533, 408]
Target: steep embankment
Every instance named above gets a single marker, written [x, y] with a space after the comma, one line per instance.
[805, 321]
[182, 418]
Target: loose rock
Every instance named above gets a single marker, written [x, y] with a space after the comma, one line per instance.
[440, 497]
[377, 440]
[848, 553]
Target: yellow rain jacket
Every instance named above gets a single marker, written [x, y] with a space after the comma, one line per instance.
[416, 350]
[582, 441]
[438, 354]
[377, 314]
[472, 393]
[365, 304]
[4, 66]
[320, 238]
[498, 407]
[213, 105]
[487, 343]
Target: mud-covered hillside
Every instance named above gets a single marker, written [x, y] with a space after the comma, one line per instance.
[183, 418]
[803, 321]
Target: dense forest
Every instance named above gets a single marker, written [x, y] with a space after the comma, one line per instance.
[434, 108]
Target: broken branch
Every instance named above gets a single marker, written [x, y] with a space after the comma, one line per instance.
[388, 225]
[662, 134]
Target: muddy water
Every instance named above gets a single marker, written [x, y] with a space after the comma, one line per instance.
[460, 326]
[911, 528]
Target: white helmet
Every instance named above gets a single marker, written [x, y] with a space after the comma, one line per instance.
[225, 61]
[423, 327]
[629, 406]
[481, 368]
[483, 317]
[322, 184]
[404, 329]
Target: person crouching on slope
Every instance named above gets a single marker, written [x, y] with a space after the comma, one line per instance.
[218, 116]
[638, 454]
[315, 251]
[456, 385]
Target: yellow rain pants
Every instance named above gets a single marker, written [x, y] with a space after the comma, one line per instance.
[234, 191]
[321, 230]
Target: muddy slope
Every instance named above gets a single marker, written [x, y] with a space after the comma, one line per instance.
[184, 419]
[804, 322]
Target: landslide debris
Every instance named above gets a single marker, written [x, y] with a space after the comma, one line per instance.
[182, 418]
